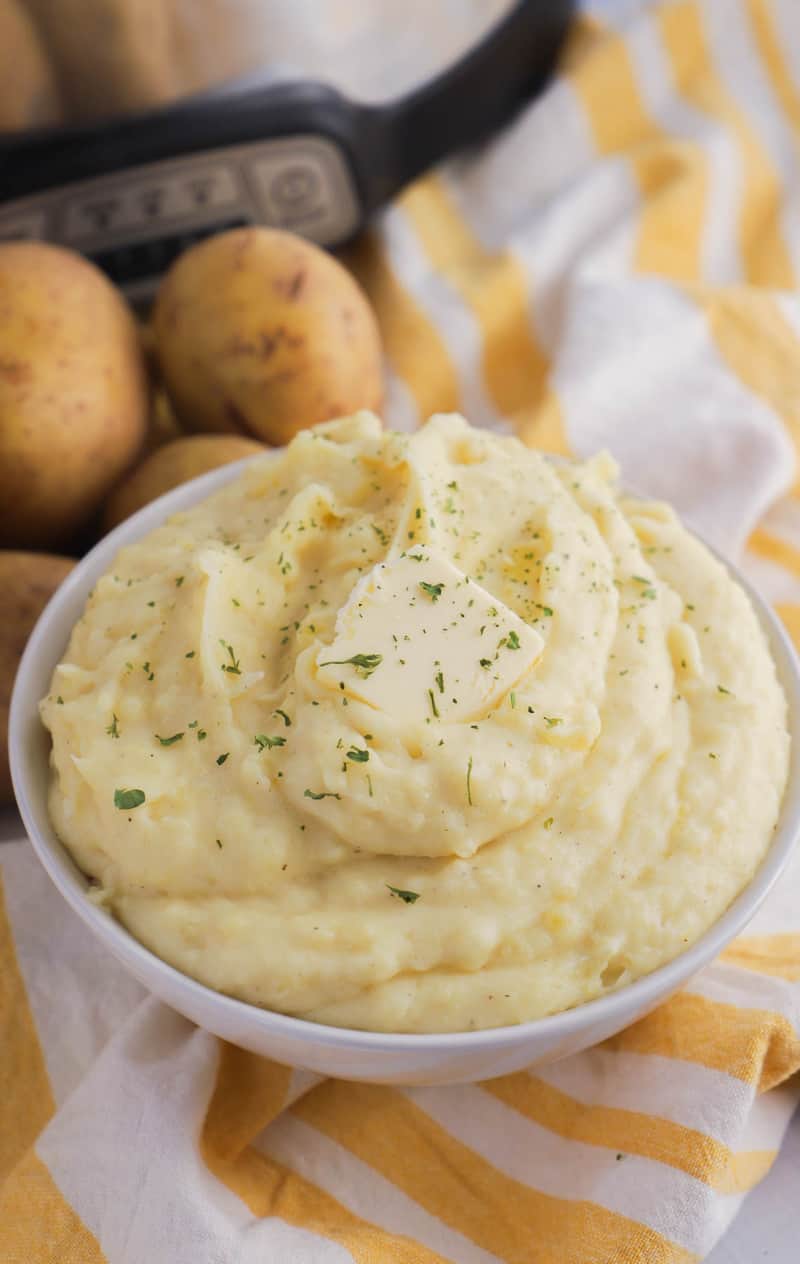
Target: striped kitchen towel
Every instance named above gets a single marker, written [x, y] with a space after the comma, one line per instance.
[617, 269]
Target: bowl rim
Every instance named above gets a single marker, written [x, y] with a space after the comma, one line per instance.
[621, 1004]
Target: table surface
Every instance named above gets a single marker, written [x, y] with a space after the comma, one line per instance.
[766, 1229]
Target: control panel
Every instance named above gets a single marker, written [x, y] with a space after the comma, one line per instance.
[135, 222]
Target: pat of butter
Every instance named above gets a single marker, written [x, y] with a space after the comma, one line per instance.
[418, 639]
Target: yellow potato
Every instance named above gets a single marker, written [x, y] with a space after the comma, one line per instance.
[110, 55]
[211, 43]
[73, 393]
[163, 425]
[261, 333]
[27, 582]
[28, 92]
[174, 463]
[113, 56]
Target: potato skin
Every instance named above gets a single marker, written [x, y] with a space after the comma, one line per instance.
[170, 465]
[110, 55]
[28, 92]
[27, 582]
[113, 56]
[162, 425]
[261, 333]
[73, 393]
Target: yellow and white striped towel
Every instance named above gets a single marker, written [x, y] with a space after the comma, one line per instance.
[617, 269]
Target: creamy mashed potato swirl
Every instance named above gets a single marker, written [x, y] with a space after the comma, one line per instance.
[417, 733]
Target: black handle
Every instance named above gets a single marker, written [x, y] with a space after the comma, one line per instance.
[31, 162]
[384, 146]
[474, 96]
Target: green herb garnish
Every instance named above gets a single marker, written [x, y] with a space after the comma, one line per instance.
[126, 800]
[432, 700]
[233, 665]
[60, 700]
[169, 741]
[439, 678]
[512, 641]
[469, 782]
[221, 758]
[266, 743]
[722, 689]
[366, 664]
[548, 823]
[283, 716]
[552, 720]
[408, 897]
[327, 794]
[179, 581]
[434, 591]
[485, 662]
[112, 730]
[357, 755]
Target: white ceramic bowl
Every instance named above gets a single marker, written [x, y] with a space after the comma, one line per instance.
[358, 1055]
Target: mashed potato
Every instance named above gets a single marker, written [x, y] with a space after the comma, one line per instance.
[417, 733]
